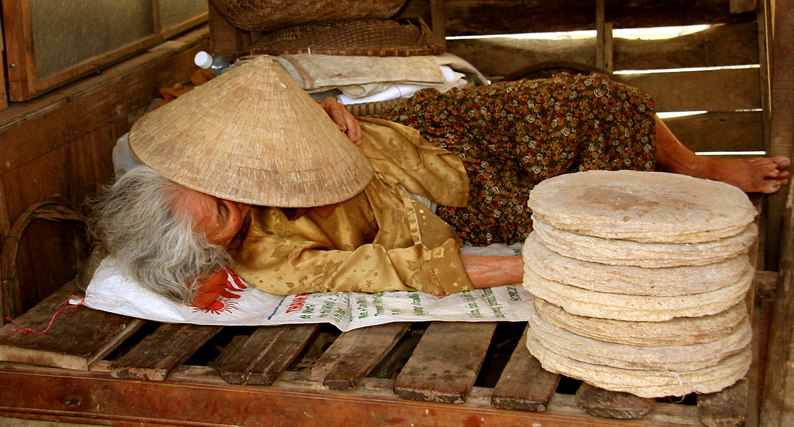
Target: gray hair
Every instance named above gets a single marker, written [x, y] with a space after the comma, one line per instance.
[152, 243]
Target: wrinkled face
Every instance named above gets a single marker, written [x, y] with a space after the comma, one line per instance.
[218, 219]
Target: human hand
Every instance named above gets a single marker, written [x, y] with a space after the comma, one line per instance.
[346, 121]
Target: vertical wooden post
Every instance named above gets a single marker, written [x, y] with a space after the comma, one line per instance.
[156, 21]
[3, 93]
[777, 406]
[225, 39]
[603, 39]
[439, 18]
[782, 115]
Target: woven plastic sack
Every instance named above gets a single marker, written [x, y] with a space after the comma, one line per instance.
[269, 15]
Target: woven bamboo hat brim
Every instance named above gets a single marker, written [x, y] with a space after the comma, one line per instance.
[252, 135]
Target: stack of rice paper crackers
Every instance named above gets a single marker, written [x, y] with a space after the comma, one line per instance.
[640, 281]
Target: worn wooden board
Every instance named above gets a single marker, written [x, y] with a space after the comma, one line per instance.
[162, 351]
[266, 354]
[709, 90]
[727, 408]
[708, 132]
[355, 353]
[69, 343]
[445, 363]
[611, 404]
[524, 385]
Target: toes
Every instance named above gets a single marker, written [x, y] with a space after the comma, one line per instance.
[781, 161]
[771, 187]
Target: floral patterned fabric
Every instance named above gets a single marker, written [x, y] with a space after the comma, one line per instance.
[512, 135]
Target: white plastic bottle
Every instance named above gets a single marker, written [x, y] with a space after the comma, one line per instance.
[217, 64]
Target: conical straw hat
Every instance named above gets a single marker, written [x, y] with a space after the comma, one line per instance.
[252, 135]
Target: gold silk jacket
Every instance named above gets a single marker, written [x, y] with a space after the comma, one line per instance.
[382, 239]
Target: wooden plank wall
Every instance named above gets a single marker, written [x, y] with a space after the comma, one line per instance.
[61, 145]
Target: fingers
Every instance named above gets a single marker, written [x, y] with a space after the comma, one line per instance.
[346, 121]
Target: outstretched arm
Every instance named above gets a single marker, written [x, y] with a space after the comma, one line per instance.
[490, 271]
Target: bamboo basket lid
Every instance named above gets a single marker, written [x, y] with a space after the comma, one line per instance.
[252, 135]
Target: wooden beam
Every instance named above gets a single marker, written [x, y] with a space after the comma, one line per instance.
[196, 396]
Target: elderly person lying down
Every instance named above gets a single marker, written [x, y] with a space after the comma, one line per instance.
[247, 171]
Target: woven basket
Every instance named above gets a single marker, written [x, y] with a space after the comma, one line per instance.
[367, 37]
[269, 15]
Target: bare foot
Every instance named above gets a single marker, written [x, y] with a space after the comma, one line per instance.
[754, 175]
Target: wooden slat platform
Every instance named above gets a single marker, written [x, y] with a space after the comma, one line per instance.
[92, 368]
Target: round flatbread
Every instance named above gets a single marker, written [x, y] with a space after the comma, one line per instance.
[646, 383]
[632, 280]
[654, 207]
[678, 331]
[648, 255]
[634, 307]
[626, 356]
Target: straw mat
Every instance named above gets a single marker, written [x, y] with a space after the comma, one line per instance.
[252, 135]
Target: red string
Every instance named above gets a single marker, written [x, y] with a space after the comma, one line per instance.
[26, 330]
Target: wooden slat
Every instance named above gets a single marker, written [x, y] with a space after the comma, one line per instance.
[445, 363]
[467, 17]
[610, 404]
[719, 46]
[355, 353]
[741, 131]
[524, 385]
[711, 90]
[162, 352]
[77, 340]
[266, 354]
[727, 408]
[724, 45]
